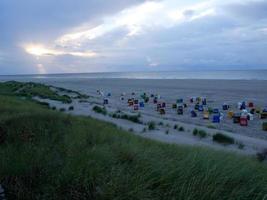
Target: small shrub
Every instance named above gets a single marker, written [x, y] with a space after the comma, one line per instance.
[175, 127]
[195, 132]
[211, 126]
[168, 125]
[133, 118]
[264, 126]
[167, 132]
[71, 108]
[202, 134]
[131, 130]
[261, 156]
[240, 145]
[224, 139]
[160, 123]
[144, 130]
[54, 108]
[151, 126]
[99, 109]
[62, 109]
[43, 103]
[114, 115]
[181, 129]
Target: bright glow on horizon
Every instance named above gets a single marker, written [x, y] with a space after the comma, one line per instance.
[40, 50]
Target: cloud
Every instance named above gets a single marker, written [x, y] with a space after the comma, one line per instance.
[121, 35]
[139, 19]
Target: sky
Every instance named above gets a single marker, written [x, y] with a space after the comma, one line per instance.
[76, 36]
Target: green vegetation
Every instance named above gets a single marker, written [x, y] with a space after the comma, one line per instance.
[200, 133]
[181, 129]
[261, 156]
[132, 118]
[240, 145]
[30, 90]
[224, 139]
[101, 110]
[264, 126]
[71, 108]
[46, 154]
[211, 126]
[62, 109]
[151, 126]
[77, 94]
[161, 124]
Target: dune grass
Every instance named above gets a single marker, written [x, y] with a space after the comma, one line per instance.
[224, 139]
[46, 154]
[30, 90]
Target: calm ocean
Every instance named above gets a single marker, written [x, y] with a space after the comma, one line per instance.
[227, 75]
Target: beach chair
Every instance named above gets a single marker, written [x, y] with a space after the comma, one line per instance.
[236, 118]
[250, 117]
[216, 119]
[180, 110]
[225, 107]
[179, 101]
[251, 105]
[136, 107]
[105, 101]
[193, 114]
[210, 110]
[252, 111]
[263, 115]
[243, 106]
[230, 114]
[204, 102]
[130, 102]
[206, 115]
[244, 121]
[200, 108]
[141, 105]
[162, 111]
[158, 106]
[216, 111]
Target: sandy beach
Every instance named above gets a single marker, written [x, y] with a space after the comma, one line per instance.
[217, 92]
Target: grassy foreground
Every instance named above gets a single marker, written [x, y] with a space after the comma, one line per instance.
[45, 154]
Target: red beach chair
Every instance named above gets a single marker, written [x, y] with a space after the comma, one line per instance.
[244, 121]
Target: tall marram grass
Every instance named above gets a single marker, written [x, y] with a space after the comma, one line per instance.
[52, 155]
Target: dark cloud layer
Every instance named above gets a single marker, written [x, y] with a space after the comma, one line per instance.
[233, 37]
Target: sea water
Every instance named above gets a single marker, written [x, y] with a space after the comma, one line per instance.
[218, 75]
